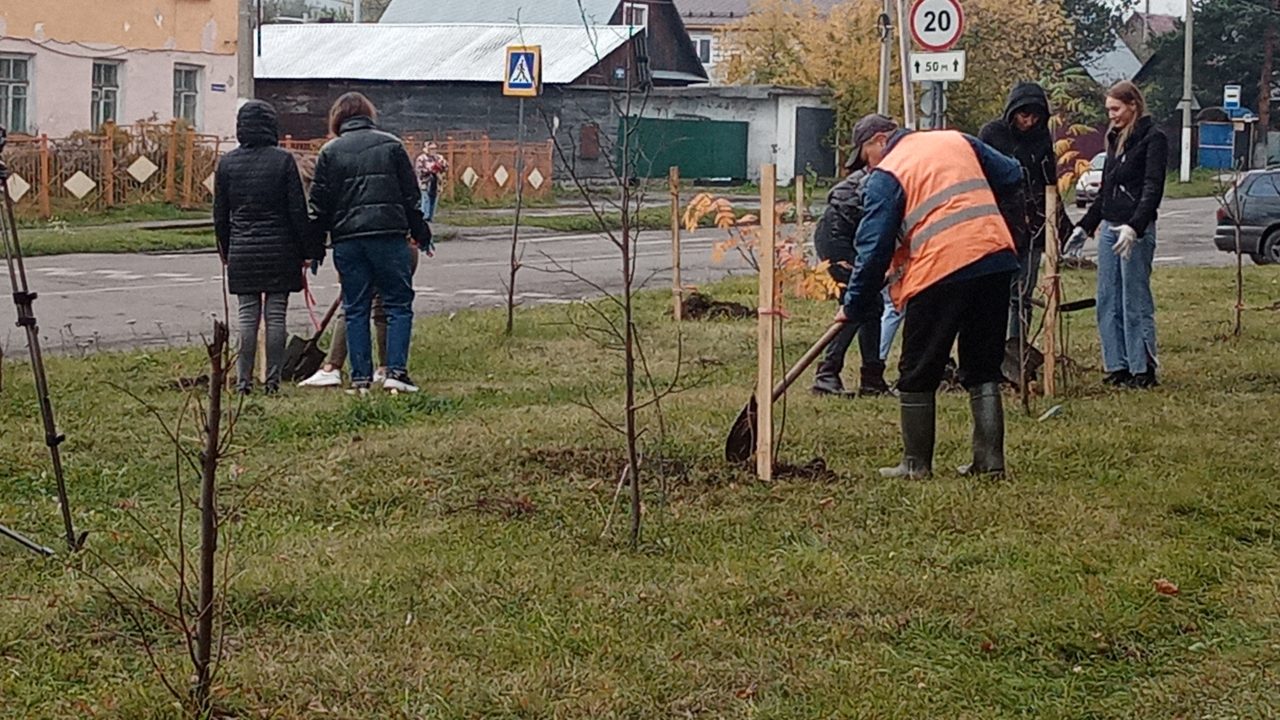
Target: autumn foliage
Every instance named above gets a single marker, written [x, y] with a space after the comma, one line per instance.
[793, 267]
[790, 42]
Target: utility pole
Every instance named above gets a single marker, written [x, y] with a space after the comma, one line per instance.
[356, 7]
[886, 55]
[904, 51]
[1185, 174]
[244, 52]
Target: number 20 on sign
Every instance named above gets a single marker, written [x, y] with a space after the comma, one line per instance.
[937, 24]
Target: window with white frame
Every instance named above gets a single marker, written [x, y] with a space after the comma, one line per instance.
[105, 96]
[704, 49]
[186, 93]
[15, 91]
[635, 14]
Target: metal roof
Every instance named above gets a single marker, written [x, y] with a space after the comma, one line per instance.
[538, 12]
[428, 53]
[1118, 63]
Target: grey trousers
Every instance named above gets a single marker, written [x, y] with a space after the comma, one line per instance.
[251, 308]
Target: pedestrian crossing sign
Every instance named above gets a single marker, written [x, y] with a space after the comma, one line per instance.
[522, 75]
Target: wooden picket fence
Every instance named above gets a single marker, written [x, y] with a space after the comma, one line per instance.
[479, 168]
[170, 162]
[119, 165]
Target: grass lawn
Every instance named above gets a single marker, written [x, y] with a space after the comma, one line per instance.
[1204, 183]
[650, 218]
[441, 555]
[112, 240]
[141, 212]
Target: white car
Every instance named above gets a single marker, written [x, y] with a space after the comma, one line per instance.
[1089, 183]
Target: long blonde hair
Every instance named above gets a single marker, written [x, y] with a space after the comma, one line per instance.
[1129, 94]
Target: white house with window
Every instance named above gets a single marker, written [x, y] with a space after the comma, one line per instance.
[64, 70]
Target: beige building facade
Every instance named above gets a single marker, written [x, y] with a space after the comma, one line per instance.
[71, 65]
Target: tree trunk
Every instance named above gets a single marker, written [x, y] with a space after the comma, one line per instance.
[209, 516]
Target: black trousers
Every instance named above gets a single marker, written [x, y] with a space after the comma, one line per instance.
[866, 327]
[975, 311]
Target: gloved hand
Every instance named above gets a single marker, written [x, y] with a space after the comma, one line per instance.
[1075, 244]
[1124, 244]
[315, 264]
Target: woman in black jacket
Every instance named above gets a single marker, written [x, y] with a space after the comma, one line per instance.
[260, 219]
[365, 195]
[1124, 216]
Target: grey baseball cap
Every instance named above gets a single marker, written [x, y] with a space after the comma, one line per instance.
[865, 129]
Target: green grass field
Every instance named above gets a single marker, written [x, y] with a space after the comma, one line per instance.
[441, 555]
[63, 241]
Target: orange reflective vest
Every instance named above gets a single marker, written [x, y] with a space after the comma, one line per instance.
[951, 219]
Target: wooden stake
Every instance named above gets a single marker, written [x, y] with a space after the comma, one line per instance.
[1054, 291]
[764, 342]
[260, 358]
[800, 204]
[677, 289]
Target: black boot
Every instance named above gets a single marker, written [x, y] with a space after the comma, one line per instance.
[826, 380]
[873, 380]
[1118, 378]
[988, 431]
[917, 436]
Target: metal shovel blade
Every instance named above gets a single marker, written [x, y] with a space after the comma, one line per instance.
[741, 443]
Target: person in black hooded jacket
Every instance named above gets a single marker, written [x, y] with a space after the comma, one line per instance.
[833, 241]
[260, 220]
[1023, 134]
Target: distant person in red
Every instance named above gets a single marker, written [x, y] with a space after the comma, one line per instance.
[429, 167]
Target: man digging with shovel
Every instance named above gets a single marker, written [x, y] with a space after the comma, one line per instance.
[932, 230]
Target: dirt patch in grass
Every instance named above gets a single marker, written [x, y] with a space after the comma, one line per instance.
[815, 471]
[698, 306]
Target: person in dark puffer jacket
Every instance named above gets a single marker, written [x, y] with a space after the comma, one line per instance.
[365, 196]
[1124, 218]
[833, 241]
[260, 219]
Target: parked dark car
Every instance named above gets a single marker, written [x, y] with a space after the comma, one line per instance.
[1255, 200]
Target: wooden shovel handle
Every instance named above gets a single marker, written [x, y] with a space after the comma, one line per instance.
[807, 359]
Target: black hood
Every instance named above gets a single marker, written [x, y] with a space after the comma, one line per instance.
[1026, 96]
[257, 124]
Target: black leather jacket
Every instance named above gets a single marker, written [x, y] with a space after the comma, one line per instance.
[365, 186]
[1133, 182]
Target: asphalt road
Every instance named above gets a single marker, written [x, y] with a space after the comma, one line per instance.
[96, 302]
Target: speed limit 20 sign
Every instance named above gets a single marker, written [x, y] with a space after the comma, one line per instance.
[937, 24]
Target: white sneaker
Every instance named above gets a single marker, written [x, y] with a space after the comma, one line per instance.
[399, 383]
[379, 376]
[323, 378]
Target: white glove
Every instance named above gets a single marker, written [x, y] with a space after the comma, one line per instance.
[1075, 244]
[1124, 244]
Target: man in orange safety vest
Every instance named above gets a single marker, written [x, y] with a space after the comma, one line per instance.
[933, 233]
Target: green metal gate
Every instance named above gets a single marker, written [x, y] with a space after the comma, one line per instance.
[702, 149]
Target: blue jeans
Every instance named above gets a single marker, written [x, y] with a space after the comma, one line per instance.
[889, 323]
[1126, 310]
[428, 205]
[382, 265]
